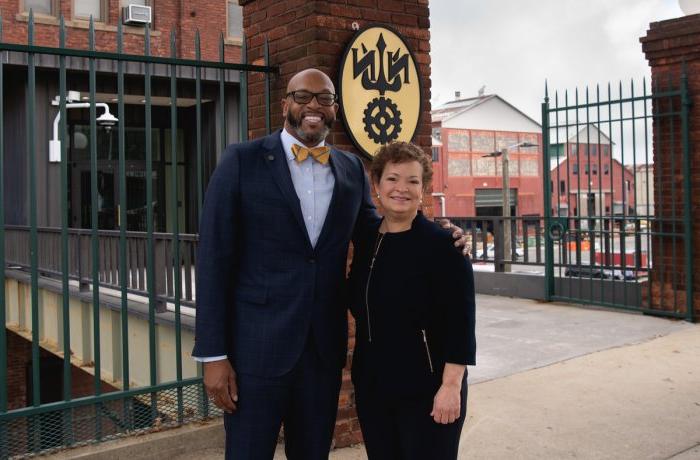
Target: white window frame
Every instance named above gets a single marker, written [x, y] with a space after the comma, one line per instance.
[228, 28]
[125, 3]
[53, 7]
[104, 12]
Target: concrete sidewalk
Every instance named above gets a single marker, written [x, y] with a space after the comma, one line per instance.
[633, 402]
[557, 381]
[552, 381]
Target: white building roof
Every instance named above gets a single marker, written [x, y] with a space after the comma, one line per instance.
[488, 112]
[582, 136]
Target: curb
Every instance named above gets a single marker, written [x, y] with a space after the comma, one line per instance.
[192, 437]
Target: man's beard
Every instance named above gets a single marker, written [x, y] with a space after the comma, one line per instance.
[311, 138]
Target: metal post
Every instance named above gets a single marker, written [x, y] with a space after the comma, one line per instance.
[4, 451]
[548, 246]
[65, 267]
[507, 252]
[687, 198]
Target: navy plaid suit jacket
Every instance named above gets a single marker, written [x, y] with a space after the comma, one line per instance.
[261, 287]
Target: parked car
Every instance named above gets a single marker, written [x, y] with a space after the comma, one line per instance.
[587, 271]
[491, 252]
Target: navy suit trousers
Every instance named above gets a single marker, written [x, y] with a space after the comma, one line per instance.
[305, 400]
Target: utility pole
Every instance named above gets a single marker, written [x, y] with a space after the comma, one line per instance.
[507, 250]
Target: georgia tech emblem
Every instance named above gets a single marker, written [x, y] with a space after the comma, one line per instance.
[380, 92]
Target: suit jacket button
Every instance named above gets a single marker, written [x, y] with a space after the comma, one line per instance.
[312, 260]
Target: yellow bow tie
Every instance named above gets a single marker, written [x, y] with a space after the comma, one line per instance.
[320, 154]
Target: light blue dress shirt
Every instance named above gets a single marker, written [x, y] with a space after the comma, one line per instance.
[314, 184]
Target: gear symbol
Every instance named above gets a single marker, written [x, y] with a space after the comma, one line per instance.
[382, 120]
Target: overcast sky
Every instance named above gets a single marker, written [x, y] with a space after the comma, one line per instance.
[512, 46]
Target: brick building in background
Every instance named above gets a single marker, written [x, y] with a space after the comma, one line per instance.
[587, 179]
[213, 19]
[466, 183]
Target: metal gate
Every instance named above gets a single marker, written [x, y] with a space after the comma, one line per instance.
[136, 258]
[617, 197]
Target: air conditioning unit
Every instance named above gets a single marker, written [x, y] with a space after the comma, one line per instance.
[137, 15]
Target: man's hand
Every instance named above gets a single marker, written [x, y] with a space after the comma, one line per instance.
[220, 384]
[461, 239]
[446, 404]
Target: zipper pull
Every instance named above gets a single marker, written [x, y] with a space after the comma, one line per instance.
[427, 351]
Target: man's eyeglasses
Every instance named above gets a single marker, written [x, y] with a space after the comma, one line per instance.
[304, 97]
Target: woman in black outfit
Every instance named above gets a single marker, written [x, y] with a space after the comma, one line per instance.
[412, 296]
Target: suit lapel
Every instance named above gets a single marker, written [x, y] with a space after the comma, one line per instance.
[276, 160]
[339, 173]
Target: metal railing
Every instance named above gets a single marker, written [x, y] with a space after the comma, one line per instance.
[592, 254]
[50, 263]
[148, 263]
[617, 184]
[486, 237]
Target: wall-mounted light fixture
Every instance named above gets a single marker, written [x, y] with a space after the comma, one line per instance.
[106, 119]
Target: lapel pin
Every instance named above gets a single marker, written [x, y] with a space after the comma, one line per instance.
[270, 157]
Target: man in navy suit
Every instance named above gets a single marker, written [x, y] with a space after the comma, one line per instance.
[271, 323]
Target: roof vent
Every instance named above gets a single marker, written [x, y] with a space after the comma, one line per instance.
[458, 94]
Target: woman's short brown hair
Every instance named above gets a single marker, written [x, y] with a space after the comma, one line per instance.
[401, 152]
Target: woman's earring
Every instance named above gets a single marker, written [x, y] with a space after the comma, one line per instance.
[377, 195]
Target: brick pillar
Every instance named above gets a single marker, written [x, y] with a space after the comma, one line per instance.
[305, 34]
[669, 46]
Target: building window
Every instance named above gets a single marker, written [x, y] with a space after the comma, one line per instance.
[436, 153]
[585, 169]
[574, 169]
[574, 149]
[125, 3]
[594, 150]
[594, 170]
[84, 9]
[437, 133]
[234, 19]
[562, 186]
[606, 169]
[46, 7]
[606, 149]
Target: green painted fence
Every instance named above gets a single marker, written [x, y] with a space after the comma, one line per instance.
[104, 415]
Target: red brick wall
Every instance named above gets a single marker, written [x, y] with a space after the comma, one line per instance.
[184, 17]
[668, 46]
[19, 355]
[306, 34]
[598, 180]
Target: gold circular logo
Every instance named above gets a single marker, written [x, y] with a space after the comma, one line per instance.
[380, 92]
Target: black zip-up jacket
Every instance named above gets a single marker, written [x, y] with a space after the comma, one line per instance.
[414, 309]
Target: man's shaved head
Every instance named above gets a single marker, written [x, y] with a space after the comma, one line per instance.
[300, 77]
